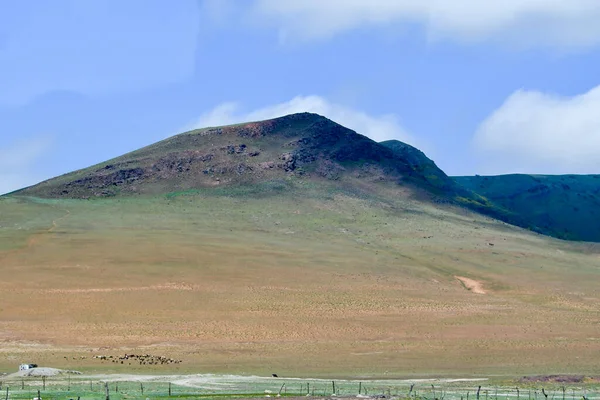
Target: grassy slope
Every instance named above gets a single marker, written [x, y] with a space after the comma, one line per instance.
[292, 277]
[562, 206]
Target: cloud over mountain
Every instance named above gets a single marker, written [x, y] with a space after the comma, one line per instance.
[542, 132]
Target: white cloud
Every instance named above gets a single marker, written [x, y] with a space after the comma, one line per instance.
[378, 128]
[17, 161]
[563, 23]
[542, 133]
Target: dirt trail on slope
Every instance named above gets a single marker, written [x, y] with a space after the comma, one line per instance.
[471, 284]
[34, 238]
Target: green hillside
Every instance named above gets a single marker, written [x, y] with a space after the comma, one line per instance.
[564, 206]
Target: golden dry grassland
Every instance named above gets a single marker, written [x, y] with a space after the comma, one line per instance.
[301, 285]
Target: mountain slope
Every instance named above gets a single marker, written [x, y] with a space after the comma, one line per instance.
[565, 206]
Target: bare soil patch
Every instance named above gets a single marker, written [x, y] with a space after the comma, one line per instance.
[471, 284]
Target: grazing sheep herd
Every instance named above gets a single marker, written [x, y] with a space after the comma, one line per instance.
[142, 359]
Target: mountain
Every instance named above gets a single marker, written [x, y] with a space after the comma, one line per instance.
[274, 155]
[270, 155]
[302, 146]
[563, 206]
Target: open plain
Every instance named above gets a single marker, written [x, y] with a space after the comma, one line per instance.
[295, 278]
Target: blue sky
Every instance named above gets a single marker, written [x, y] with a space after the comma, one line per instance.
[481, 87]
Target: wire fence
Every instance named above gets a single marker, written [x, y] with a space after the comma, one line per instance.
[200, 386]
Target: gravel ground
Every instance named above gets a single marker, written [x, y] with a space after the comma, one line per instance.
[42, 371]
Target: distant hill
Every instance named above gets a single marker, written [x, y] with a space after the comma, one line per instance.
[564, 206]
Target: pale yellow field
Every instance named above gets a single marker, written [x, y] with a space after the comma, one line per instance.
[329, 287]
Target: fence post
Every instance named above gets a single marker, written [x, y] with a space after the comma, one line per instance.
[169, 389]
[107, 391]
[333, 385]
[7, 393]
